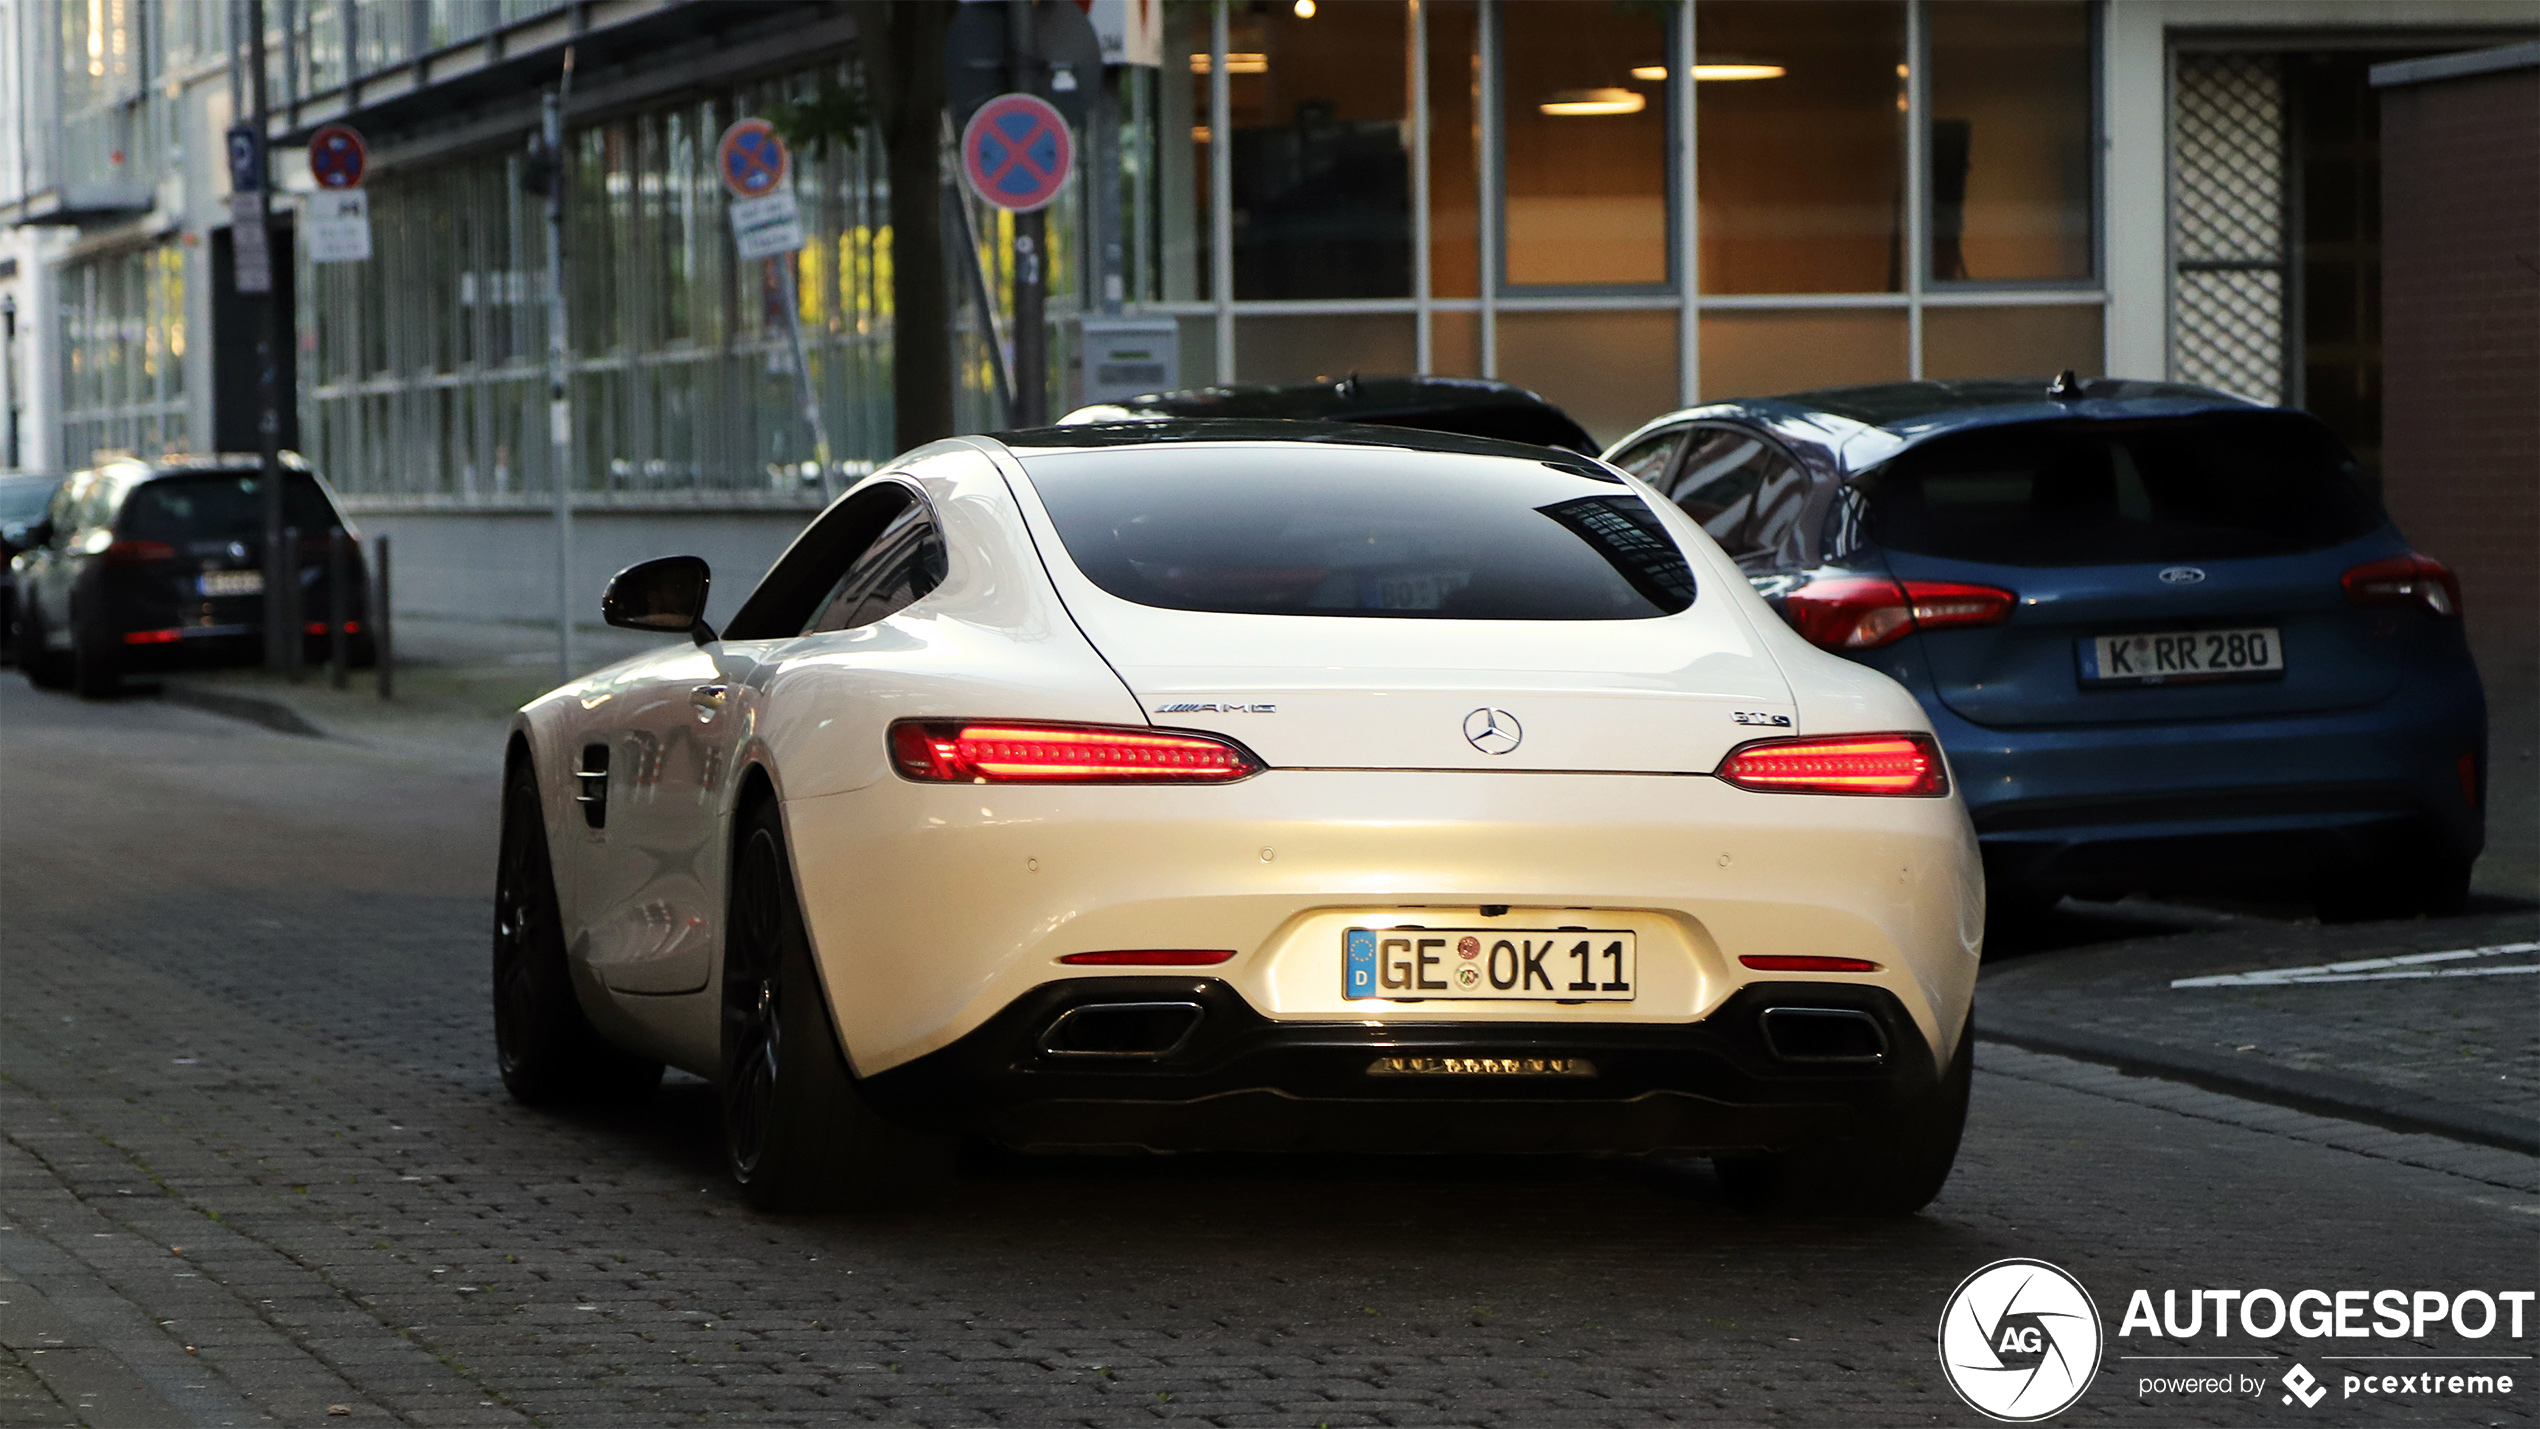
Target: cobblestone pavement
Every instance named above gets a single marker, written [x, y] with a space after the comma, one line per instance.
[2468, 1040]
[256, 1168]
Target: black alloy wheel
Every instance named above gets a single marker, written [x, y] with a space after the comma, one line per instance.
[798, 1133]
[544, 1046]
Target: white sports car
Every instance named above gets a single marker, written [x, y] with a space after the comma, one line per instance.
[1217, 785]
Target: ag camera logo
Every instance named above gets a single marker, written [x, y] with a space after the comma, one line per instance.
[2020, 1340]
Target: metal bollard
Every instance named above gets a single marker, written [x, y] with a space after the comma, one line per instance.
[379, 642]
[294, 619]
[339, 608]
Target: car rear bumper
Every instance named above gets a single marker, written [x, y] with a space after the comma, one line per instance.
[1218, 1076]
[2225, 804]
[933, 908]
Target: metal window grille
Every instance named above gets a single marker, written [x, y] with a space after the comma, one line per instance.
[2228, 236]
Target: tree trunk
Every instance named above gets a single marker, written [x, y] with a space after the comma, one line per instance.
[904, 74]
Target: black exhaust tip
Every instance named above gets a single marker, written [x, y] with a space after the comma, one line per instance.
[1825, 1035]
[1146, 1031]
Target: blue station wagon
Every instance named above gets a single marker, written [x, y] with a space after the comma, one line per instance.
[2169, 638]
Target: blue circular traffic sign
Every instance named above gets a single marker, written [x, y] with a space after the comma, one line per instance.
[1017, 153]
[752, 159]
[337, 157]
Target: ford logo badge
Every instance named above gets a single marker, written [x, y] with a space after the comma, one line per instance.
[2181, 575]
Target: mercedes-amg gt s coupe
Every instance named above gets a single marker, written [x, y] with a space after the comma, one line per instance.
[1245, 785]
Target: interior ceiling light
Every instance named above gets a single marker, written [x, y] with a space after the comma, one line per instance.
[1714, 71]
[1236, 63]
[1594, 101]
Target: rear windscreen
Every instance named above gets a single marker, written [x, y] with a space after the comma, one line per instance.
[223, 507]
[2110, 493]
[1339, 531]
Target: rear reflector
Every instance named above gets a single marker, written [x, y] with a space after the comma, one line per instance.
[152, 637]
[2405, 580]
[1151, 958]
[133, 553]
[1839, 764]
[2467, 767]
[1865, 612]
[1779, 963]
[955, 752]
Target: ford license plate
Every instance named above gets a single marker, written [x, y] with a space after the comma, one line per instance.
[2182, 657]
[1491, 964]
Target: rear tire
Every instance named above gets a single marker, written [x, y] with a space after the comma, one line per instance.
[1895, 1169]
[798, 1133]
[44, 669]
[2438, 887]
[96, 673]
[544, 1045]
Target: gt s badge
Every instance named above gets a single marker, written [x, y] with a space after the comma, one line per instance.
[1775, 721]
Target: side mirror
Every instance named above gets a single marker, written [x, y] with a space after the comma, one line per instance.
[666, 595]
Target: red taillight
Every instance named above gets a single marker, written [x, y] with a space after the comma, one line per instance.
[152, 637]
[2467, 767]
[1151, 958]
[134, 553]
[957, 752]
[1864, 612]
[319, 627]
[1792, 963]
[1839, 764]
[2402, 580]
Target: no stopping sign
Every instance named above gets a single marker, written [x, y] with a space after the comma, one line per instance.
[1016, 152]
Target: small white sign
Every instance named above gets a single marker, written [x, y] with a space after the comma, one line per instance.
[768, 225]
[251, 259]
[1131, 31]
[335, 223]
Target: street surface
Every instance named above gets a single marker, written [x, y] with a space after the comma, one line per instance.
[257, 1168]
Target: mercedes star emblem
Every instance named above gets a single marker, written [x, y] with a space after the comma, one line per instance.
[1493, 731]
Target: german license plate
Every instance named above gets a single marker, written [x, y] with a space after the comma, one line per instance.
[1494, 964]
[2183, 656]
[231, 582]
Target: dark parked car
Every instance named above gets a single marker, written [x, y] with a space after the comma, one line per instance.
[2169, 638]
[1433, 404]
[23, 496]
[139, 566]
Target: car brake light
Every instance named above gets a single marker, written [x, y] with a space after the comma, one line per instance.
[2467, 767]
[134, 553]
[1151, 958]
[152, 637]
[958, 752]
[319, 627]
[1865, 612]
[1839, 764]
[1795, 963]
[2403, 579]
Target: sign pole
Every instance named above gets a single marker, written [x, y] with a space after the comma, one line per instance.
[559, 396]
[1031, 233]
[251, 270]
[803, 389]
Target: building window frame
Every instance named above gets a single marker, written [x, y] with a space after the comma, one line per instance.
[1682, 293]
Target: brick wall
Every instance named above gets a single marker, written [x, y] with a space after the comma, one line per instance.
[2461, 348]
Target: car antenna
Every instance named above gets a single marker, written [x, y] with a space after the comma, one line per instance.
[2065, 387]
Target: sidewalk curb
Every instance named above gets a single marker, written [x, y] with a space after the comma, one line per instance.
[2321, 1093]
[255, 709]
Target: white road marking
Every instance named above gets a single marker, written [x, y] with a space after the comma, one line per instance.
[2406, 965]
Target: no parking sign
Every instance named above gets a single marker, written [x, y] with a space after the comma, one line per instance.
[1016, 152]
